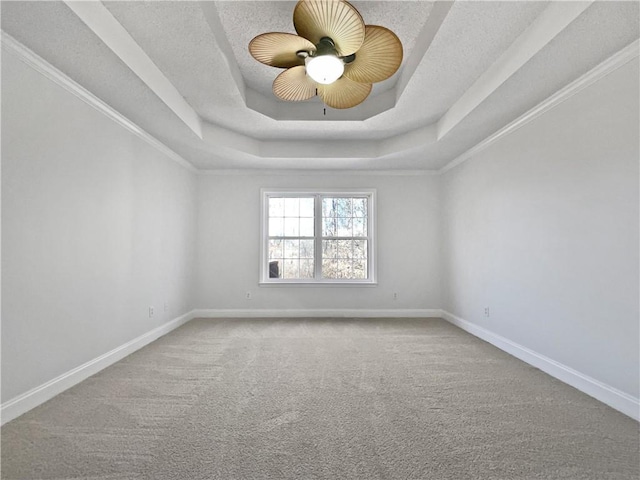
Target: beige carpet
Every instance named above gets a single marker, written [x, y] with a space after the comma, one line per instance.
[321, 399]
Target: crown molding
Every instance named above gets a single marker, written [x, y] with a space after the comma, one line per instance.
[12, 46]
[597, 73]
[554, 19]
[105, 26]
[409, 139]
[227, 140]
[237, 145]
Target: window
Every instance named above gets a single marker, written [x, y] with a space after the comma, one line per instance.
[317, 237]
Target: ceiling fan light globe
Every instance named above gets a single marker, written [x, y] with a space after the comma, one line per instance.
[324, 69]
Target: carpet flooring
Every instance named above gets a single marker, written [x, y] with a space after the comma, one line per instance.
[321, 399]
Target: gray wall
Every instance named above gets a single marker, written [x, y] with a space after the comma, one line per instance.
[229, 244]
[96, 227]
[542, 227]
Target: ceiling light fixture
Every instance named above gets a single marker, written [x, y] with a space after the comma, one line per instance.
[335, 55]
[324, 69]
[324, 66]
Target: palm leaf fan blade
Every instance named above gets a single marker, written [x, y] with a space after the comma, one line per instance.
[294, 85]
[335, 19]
[379, 57]
[279, 49]
[344, 93]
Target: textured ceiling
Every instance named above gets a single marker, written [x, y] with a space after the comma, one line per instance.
[405, 19]
[201, 48]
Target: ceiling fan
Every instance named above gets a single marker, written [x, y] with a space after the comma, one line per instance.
[335, 55]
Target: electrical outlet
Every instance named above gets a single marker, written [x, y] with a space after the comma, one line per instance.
[486, 312]
[248, 295]
[150, 312]
[395, 295]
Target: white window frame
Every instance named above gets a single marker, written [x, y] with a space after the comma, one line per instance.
[369, 193]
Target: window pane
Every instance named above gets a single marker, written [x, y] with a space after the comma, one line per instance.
[329, 268]
[345, 249]
[344, 227]
[291, 248]
[344, 269]
[344, 207]
[291, 226]
[360, 268]
[306, 227]
[329, 227]
[291, 207]
[329, 248]
[276, 227]
[360, 207]
[275, 249]
[306, 249]
[329, 207]
[291, 269]
[359, 227]
[360, 249]
[306, 269]
[276, 207]
[306, 207]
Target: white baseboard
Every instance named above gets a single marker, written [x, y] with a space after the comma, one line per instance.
[611, 396]
[607, 394]
[316, 313]
[38, 395]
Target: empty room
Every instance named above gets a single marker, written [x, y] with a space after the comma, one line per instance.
[320, 239]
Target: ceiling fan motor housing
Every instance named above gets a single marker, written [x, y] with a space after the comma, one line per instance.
[326, 46]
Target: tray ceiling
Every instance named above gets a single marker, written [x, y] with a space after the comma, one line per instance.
[181, 70]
